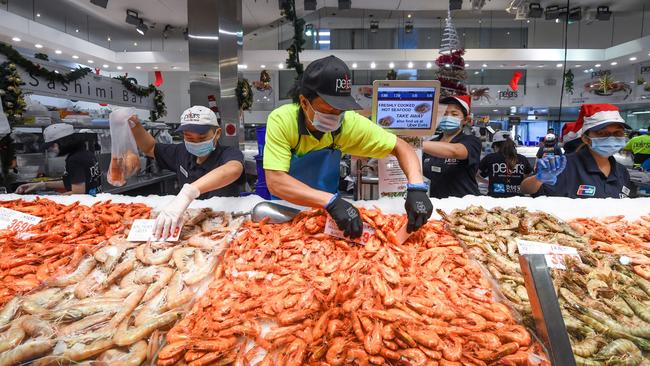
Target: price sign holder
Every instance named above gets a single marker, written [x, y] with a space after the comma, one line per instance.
[143, 230]
[546, 309]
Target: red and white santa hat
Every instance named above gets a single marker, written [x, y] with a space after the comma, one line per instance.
[599, 116]
[463, 101]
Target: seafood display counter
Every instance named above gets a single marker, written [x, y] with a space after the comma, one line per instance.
[231, 291]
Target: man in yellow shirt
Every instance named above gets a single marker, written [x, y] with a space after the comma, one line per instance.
[305, 141]
[640, 148]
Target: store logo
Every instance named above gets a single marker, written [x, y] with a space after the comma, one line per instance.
[600, 73]
[508, 94]
[585, 190]
[344, 84]
[645, 69]
[499, 188]
[189, 116]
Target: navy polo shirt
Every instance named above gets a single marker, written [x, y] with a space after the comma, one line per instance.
[583, 179]
[176, 158]
[453, 177]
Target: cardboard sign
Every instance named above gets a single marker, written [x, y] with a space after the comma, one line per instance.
[555, 254]
[333, 230]
[143, 230]
[17, 221]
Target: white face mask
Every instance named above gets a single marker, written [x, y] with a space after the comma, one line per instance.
[53, 151]
[324, 122]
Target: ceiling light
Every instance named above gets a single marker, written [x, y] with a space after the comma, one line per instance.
[603, 13]
[613, 63]
[105, 66]
[374, 26]
[38, 45]
[75, 57]
[155, 67]
[373, 65]
[38, 15]
[119, 67]
[138, 67]
[56, 71]
[132, 17]
[466, 65]
[91, 61]
[58, 52]
[76, 30]
[507, 33]
[174, 67]
[557, 20]
[16, 39]
[535, 10]
[540, 66]
[558, 65]
[447, 65]
[108, 39]
[135, 44]
[429, 65]
[586, 71]
[391, 65]
[354, 65]
[408, 16]
[142, 28]
[484, 65]
[475, 72]
[632, 58]
[597, 65]
[527, 20]
[263, 66]
[578, 65]
[410, 65]
[242, 66]
[280, 66]
[495, 110]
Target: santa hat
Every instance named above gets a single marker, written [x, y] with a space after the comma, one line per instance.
[571, 131]
[599, 116]
[463, 101]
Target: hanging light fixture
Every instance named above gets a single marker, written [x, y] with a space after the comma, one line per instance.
[142, 28]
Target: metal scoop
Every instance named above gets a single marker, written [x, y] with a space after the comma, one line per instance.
[277, 214]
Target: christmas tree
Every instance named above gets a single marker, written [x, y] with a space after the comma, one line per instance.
[13, 101]
[451, 65]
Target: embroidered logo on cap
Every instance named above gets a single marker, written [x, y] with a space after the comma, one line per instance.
[586, 190]
[344, 84]
[189, 116]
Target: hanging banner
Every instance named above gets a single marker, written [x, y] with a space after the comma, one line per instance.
[91, 88]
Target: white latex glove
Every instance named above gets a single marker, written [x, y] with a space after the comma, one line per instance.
[169, 218]
[31, 187]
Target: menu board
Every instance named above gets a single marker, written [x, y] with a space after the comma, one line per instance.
[405, 108]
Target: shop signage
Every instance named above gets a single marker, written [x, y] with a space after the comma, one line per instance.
[514, 120]
[600, 73]
[91, 88]
[508, 94]
[645, 69]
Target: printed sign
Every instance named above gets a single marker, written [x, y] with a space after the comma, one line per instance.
[405, 107]
[554, 254]
[333, 230]
[17, 221]
[392, 180]
[142, 230]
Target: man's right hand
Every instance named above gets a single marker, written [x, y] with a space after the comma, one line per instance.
[346, 216]
[549, 167]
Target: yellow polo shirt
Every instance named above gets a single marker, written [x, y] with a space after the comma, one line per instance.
[358, 136]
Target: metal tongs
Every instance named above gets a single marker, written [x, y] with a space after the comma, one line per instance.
[276, 213]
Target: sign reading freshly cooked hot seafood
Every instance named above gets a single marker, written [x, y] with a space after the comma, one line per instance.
[405, 106]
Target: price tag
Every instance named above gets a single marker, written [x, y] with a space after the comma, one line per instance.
[554, 254]
[142, 230]
[17, 221]
[333, 230]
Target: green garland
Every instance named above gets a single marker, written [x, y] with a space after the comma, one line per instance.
[244, 95]
[41, 56]
[568, 82]
[13, 101]
[160, 109]
[391, 75]
[38, 70]
[289, 13]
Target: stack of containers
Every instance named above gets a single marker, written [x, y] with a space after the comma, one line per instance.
[260, 187]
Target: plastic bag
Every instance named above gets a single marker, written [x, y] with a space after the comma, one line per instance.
[125, 161]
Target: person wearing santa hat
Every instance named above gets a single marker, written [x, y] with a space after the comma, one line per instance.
[592, 171]
[571, 136]
[451, 160]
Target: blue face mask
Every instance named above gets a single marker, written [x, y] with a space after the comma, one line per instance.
[200, 149]
[607, 146]
[449, 123]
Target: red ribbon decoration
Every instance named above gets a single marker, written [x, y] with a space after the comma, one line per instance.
[97, 71]
[159, 79]
[515, 80]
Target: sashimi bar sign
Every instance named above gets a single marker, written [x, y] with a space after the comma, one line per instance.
[91, 88]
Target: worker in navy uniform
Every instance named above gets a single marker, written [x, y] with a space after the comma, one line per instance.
[451, 160]
[504, 169]
[203, 167]
[592, 171]
[82, 174]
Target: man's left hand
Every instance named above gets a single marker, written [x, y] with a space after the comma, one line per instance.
[418, 206]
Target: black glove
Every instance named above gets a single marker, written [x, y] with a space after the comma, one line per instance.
[418, 206]
[346, 216]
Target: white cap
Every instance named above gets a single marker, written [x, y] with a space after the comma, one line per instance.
[198, 119]
[501, 136]
[56, 131]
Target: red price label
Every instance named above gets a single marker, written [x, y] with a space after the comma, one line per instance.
[19, 226]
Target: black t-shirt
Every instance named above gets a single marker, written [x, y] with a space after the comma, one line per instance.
[504, 182]
[557, 150]
[583, 179]
[82, 167]
[176, 158]
[453, 177]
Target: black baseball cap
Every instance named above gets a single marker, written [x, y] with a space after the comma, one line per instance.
[330, 78]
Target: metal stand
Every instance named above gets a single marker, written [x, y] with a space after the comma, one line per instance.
[546, 309]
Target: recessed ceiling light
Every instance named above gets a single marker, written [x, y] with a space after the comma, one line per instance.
[408, 16]
[16, 39]
[119, 67]
[410, 65]
[429, 65]
[263, 66]
[373, 65]
[242, 66]
[540, 66]
[155, 67]
[466, 65]
[391, 65]
[578, 65]
[484, 65]
[280, 66]
[138, 67]
[105, 66]
[632, 58]
[527, 20]
[597, 65]
[108, 39]
[58, 52]
[354, 65]
[91, 61]
[135, 43]
[76, 30]
[75, 57]
[495, 110]
[475, 72]
[56, 71]
[38, 15]
[558, 65]
[557, 20]
[613, 63]
[38, 45]
[174, 67]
